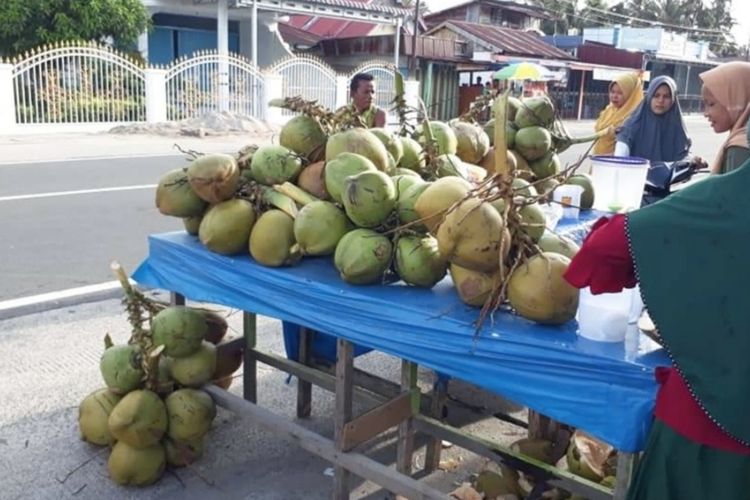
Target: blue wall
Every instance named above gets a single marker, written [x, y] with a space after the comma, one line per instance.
[177, 36]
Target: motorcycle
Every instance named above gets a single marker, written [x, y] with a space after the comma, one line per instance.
[663, 178]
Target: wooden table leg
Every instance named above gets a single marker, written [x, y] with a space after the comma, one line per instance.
[435, 445]
[304, 388]
[344, 382]
[405, 445]
[250, 368]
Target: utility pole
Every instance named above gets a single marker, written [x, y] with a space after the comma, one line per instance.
[413, 60]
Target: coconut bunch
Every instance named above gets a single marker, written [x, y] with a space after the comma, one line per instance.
[152, 412]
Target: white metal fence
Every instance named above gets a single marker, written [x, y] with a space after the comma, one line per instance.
[85, 83]
[78, 83]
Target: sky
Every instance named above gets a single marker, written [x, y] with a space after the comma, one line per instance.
[740, 11]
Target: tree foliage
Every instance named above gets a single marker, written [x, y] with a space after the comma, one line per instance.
[26, 24]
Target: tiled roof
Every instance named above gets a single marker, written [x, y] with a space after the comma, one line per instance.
[509, 41]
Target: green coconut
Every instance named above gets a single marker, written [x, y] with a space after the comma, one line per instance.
[551, 242]
[546, 166]
[312, 180]
[523, 188]
[226, 227]
[121, 368]
[275, 165]
[343, 166]
[182, 454]
[418, 261]
[405, 205]
[304, 136]
[93, 415]
[533, 142]
[535, 111]
[360, 141]
[404, 182]
[588, 194]
[488, 162]
[444, 136]
[514, 104]
[538, 292]
[471, 236]
[272, 241]
[175, 197]
[196, 369]
[139, 419]
[450, 165]
[438, 197]
[510, 132]
[164, 381]
[533, 221]
[214, 177]
[413, 157]
[217, 326]
[362, 256]
[473, 287]
[500, 487]
[391, 142]
[179, 329]
[191, 412]
[318, 228]
[547, 186]
[192, 224]
[472, 142]
[405, 171]
[369, 198]
[129, 466]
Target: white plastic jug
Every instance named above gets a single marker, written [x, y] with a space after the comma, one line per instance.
[618, 182]
[604, 317]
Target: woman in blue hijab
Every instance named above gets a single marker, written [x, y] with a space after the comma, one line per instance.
[655, 130]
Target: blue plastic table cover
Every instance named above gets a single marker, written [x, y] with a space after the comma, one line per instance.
[586, 384]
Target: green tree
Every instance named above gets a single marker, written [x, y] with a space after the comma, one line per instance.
[25, 24]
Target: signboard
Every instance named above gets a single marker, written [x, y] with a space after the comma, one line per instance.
[609, 74]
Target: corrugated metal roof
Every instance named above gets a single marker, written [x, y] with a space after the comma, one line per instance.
[324, 27]
[366, 5]
[530, 9]
[509, 41]
[295, 36]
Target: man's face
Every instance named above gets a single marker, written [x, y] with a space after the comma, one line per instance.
[364, 95]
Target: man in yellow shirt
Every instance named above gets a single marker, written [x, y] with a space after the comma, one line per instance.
[362, 92]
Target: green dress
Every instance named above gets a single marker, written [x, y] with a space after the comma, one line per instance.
[691, 259]
[733, 158]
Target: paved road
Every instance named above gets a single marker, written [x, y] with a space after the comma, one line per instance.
[52, 242]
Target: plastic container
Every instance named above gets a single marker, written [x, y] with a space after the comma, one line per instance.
[569, 197]
[604, 317]
[618, 182]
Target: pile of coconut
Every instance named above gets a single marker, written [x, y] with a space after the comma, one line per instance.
[153, 412]
[408, 204]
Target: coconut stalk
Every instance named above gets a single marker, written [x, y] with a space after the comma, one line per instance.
[401, 107]
[477, 107]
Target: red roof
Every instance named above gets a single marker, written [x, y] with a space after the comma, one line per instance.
[296, 36]
[325, 27]
[508, 41]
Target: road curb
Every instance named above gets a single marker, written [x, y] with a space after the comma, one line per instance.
[24, 306]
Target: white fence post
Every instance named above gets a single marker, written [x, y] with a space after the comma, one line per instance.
[156, 95]
[411, 92]
[342, 90]
[7, 99]
[274, 89]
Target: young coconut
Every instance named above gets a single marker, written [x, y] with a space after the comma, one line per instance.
[304, 136]
[217, 326]
[369, 198]
[413, 158]
[473, 287]
[196, 369]
[391, 142]
[130, 466]
[438, 197]
[360, 141]
[405, 205]
[191, 413]
[318, 228]
[418, 261]
[93, 414]
[182, 454]
[179, 329]
[312, 180]
[551, 242]
[449, 165]
[444, 136]
[214, 177]
[175, 197]
[363, 256]
[533, 142]
[472, 236]
[226, 226]
[192, 224]
[272, 241]
[121, 368]
[533, 221]
[472, 142]
[275, 165]
[535, 111]
[341, 167]
[538, 292]
[139, 419]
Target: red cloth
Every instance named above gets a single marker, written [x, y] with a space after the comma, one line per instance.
[605, 265]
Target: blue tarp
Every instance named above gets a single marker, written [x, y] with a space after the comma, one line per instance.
[582, 383]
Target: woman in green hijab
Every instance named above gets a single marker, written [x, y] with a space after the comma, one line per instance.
[689, 255]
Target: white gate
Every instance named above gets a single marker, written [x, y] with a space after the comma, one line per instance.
[385, 82]
[308, 77]
[78, 82]
[211, 82]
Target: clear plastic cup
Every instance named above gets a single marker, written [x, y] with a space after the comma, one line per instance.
[569, 196]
